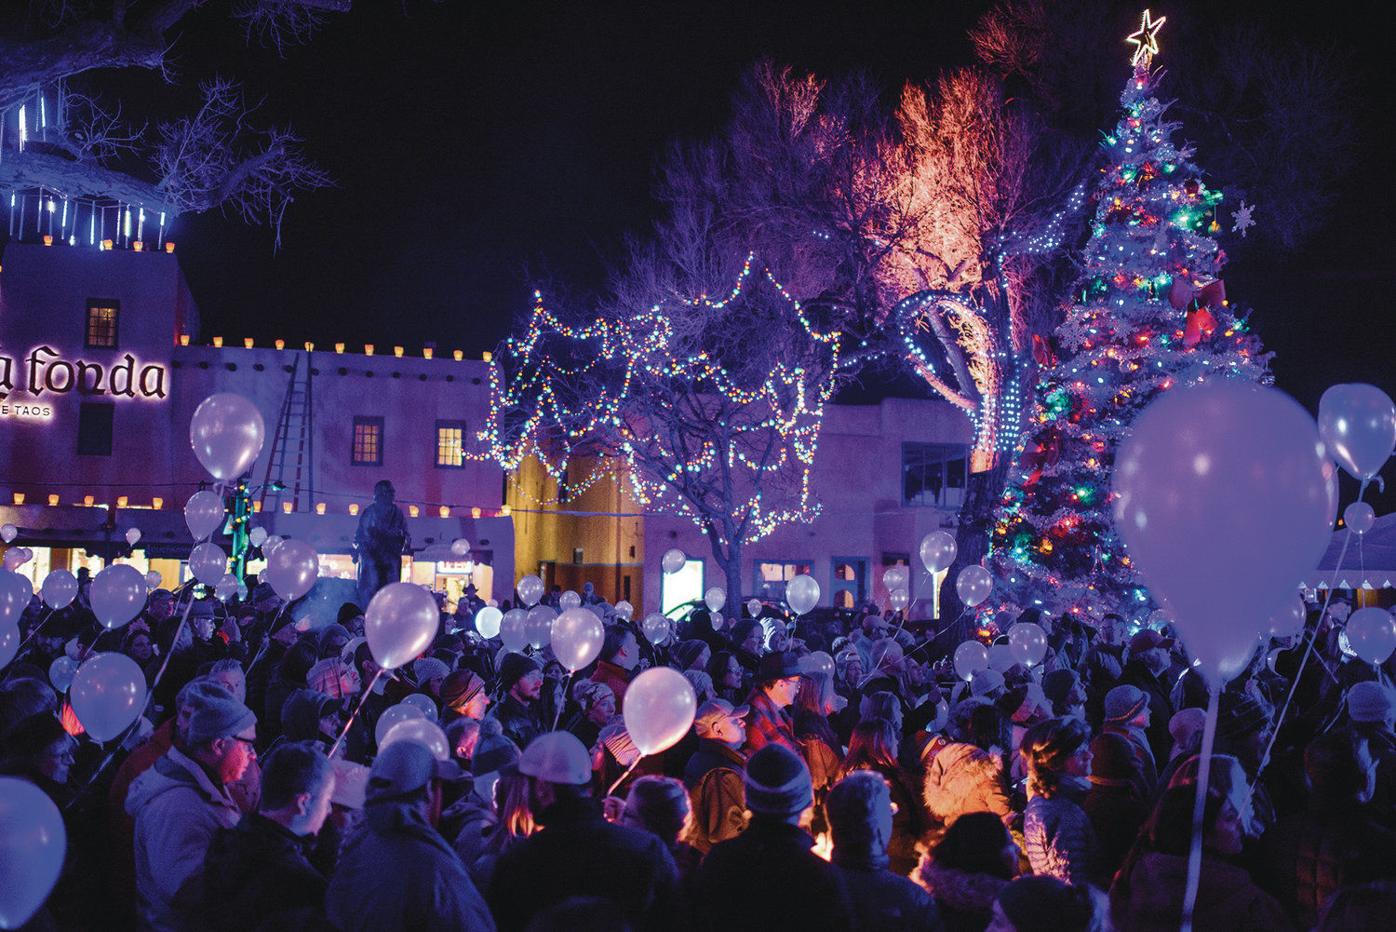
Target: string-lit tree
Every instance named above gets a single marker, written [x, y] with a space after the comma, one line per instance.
[709, 409]
[72, 167]
[1149, 314]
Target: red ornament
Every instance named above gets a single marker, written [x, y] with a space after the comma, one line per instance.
[1042, 352]
[1201, 325]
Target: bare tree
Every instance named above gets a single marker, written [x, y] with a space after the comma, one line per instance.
[60, 144]
[708, 401]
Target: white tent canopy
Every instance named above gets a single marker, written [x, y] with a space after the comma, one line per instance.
[1370, 561]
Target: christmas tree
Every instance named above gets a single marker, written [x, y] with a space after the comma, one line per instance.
[1149, 314]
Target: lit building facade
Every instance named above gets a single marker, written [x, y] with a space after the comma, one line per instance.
[101, 368]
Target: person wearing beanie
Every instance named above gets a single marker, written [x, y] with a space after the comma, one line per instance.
[351, 619]
[1243, 728]
[520, 711]
[1147, 671]
[777, 683]
[179, 803]
[596, 706]
[767, 877]
[1045, 904]
[397, 872]
[987, 684]
[1372, 714]
[311, 716]
[1127, 715]
[463, 695]
[692, 654]
[1118, 800]
[859, 810]
[429, 673]
[1064, 690]
[577, 852]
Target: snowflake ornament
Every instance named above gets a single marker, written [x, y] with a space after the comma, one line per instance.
[1241, 219]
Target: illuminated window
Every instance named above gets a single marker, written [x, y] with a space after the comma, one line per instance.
[450, 444]
[94, 428]
[368, 441]
[102, 317]
[933, 474]
[771, 577]
[848, 581]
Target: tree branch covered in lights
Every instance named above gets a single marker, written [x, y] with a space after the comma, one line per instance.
[63, 149]
[708, 408]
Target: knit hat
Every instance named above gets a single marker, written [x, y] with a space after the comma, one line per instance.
[1058, 684]
[588, 693]
[557, 757]
[1124, 702]
[688, 651]
[701, 682]
[348, 612]
[1370, 702]
[1185, 725]
[777, 783]
[328, 633]
[406, 766]
[984, 682]
[215, 716]
[493, 752]
[427, 669]
[459, 687]
[513, 668]
[1240, 714]
[328, 676]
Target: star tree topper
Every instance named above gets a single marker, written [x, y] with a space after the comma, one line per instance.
[1145, 41]
[1242, 219]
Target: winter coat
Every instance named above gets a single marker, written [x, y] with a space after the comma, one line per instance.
[767, 878]
[177, 809]
[909, 821]
[579, 853]
[1160, 707]
[1143, 753]
[1059, 839]
[766, 724]
[616, 677]
[716, 793]
[521, 723]
[882, 900]
[963, 778]
[1306, 857]
[965, 900]
[1116, 814]
[1150, 899]
[257, 877]
[397, 873]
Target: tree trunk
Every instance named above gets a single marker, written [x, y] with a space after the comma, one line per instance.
[732, 569]
[982, 494]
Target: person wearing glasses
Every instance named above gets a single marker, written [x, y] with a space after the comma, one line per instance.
[183, 800]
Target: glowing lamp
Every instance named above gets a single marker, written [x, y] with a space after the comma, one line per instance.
[218, 342]
[474, 512]
[53, 501]
[487, 356]
[184, 339]
[457, 355]
[279, 344]
[444, 511]
[426, 352]
[88, 501]
[413, 511]
[309, 346]
[339, 347]
[137, 245]
[106, 244]
[319, 508]
[368, 349]
[257, 506]
[169, 248]
[157, 503]
[19, 498]
[286, 507]
[504, 511]
[247, 343]
[353, 508]
[122, 501]
[48, 239]
[398, 351]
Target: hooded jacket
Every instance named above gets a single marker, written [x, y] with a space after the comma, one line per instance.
[1151, 897]
[965, 900]
[397, 872]
[257, 877]
[884, 901]
[963, 778]
[177, 809]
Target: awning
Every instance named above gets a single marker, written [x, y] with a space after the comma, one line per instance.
[1369, 563]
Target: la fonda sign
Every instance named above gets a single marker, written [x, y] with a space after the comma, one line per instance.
[31, 383]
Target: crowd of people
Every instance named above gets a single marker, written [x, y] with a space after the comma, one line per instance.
[884, 794]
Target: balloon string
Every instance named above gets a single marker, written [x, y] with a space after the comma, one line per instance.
[368, 690]
[628, 771]
[1199, 808]
[48, 613]
[558, 716]
[179, 632]
[1304, 661]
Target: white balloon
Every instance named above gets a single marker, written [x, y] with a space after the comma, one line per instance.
[9, 643]
[108, 693]
[208, 563]
[1371, 634]
[539, 625]
[576, 638]
[715, 598]
[512, 629]
[1289, 620]
[1359, 517]
[460, 547]
[625, 610]
[226, 432]
[422, 703]
[530, 589]
[938, 551]
[204, 513]
[270, 544]
[487, 621]
[569, 599]
[133, 536]
[973, 585]
[400, 622]
[61, 672]
[33, 843]
[895, 577]
[392, 716]
[292, 569]
[802, 594]
[659, 708]
[428, 734]
[59, 589]
[117, 595]
[258, 536]
[226, 587]
[8, 533]
[1358, 425]
[673, 560]
[970, 658]
[753, 608]
[898, 599]
[655, 628]
[1028, 642]
[153, 579]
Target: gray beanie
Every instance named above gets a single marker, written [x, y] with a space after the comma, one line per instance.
[218, 717]
[778, 783]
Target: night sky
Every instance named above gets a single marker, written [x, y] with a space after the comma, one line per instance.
[481, 148]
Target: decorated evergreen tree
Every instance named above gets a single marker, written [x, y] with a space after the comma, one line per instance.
[1150, 313]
